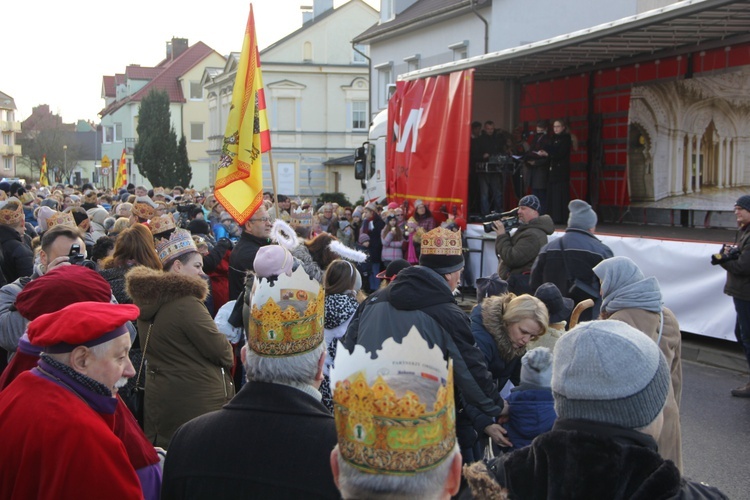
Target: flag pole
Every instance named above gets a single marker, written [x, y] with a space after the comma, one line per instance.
[273, 185]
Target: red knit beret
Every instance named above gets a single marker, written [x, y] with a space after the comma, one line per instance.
[61, 287]
[82, 323]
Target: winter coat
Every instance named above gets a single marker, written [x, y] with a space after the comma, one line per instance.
[373, 228]
[270, 441]
[420, 297]
[241, 260]
[536, 170]
[392, 249]
[12, 324]
[115, 276]
[532, 412]
[188, 360]
[18, 258]
[670, 440]
[738, 270]
[517, 253]
[585, 459]
[571, 256]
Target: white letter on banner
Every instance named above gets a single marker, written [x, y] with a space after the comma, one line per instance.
[412, 124]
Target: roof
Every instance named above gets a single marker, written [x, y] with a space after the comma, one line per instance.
[136, 72]
[6, 101]
[678, 28]
[167, 78]
[344, 160]
[109, 86]
[421, 10]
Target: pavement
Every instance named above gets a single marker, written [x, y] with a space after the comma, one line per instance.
[697, 348]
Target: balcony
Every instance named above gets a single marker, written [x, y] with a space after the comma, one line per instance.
[6, 126]
[13, 150]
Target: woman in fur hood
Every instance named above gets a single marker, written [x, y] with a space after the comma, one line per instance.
[502, 327]
[188, 362]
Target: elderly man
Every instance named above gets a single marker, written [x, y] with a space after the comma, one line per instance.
[255, 233]
[245, 449]
[377, 404]
[422, 296]
[517, 253]
[63, 411]
[569, 260]
[610, 383]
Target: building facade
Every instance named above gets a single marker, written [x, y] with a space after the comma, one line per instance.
[317, 92]
[179, 74]
[10, 151]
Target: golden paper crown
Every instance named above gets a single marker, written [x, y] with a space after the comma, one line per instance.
[179, 243]
[144, 209]
[395, 414]
[10, 217]
[27, 197]
[161, 224]
[286, 316]
[61, 219]
[441, 241]
[301, 218]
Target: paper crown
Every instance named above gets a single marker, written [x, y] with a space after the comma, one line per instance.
[11, 217]
[441, 241]
[61, 219]
[301, 218]
[27, 197]
[144, 209]
[179, 243]
[286, 316]
[161, 224]
[395, 414]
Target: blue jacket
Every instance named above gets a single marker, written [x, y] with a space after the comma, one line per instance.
[532, 412]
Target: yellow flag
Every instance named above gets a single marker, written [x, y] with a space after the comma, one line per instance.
[122, 172]
[239, 178]
[43, 179]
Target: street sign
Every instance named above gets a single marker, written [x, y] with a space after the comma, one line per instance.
[106, 162]
[105, 171]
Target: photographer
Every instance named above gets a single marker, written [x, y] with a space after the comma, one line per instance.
[517, 253]
[735, 259]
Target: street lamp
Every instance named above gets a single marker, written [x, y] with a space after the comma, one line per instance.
[65, 158]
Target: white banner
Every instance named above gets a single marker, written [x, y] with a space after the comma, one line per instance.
[692, 288]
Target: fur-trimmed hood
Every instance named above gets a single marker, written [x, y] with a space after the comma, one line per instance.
[150, 289]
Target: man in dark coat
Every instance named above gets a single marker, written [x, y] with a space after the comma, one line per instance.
[255, 234]
[573, 257]
[17, 257]
[274, 439]
[422, 296]
[372, 225]
[609, 383]
[516, 253]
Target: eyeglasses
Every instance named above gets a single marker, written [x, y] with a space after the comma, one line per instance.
[261, 219]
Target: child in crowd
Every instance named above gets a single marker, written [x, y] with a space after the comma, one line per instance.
[393, 239]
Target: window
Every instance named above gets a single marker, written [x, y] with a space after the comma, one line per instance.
[460, 50]
[412, 63]
[118, 132]
[307, 52]
[384, 80]
[357, 57]
[109, 133]
[8, 163]
[196, 132]
[8, 139]
[359, 115]
[196, 91]
[286, 110]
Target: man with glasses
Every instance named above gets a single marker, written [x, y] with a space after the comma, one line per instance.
[255, 234]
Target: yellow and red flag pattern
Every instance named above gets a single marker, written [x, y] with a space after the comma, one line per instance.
[122, 172]
[239, 177]
[43, 178]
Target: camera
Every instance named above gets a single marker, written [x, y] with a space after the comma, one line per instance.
[509, 220]
[727, 253]
[76, 258]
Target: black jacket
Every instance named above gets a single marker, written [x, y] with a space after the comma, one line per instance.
[559, 155]
[374, 229]
[241, 260]
[270, 441]
[584, 459]
[18, 258]
[420, 297]
[738, 270]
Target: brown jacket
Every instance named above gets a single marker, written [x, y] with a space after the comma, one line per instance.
[670, 440]
[188, 359]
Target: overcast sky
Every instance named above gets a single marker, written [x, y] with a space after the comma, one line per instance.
[56, 52]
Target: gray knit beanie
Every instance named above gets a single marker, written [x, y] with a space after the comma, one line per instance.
[609, 372]
[536, 367]
[581, 215]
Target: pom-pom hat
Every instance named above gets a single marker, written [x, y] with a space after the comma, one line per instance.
[83, 323]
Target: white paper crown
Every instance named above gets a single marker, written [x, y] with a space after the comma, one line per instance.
[286, 315]
[395, 414]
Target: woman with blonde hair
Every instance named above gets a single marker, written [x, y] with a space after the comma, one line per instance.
[502, 327]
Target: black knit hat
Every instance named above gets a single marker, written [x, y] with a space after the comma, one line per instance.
[743, 202]
[559, 307]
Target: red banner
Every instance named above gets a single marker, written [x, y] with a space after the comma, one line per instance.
[427, 146]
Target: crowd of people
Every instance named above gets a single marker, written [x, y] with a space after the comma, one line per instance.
[160, 350]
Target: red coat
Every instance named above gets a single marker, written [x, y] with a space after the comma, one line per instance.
[55, 446]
